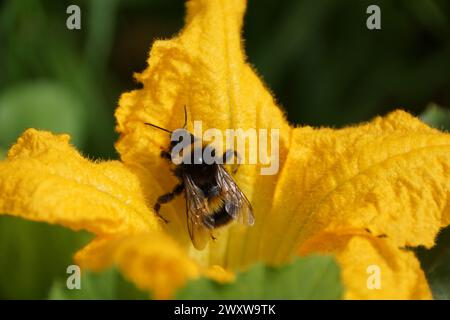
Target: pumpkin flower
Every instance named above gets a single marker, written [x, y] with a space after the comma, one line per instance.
[365, 193]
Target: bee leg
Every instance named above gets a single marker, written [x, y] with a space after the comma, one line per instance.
[165, 198]
[228, 155]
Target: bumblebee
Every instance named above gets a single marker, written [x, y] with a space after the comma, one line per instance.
[212, 197]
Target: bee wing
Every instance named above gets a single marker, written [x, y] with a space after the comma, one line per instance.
[235, 202]
[196, 211]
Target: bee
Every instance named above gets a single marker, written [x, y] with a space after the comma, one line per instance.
[212, 197]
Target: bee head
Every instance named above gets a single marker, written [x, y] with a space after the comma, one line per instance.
[199, 155]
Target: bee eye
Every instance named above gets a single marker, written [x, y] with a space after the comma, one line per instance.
[197, 157]
[193, 158]
[198, 160]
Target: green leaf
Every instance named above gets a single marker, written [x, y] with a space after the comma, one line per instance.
[437, 117]
[106, 285]
[435, 263]
[101, 22]
[42, 105]
[32, 255]
[314, 277]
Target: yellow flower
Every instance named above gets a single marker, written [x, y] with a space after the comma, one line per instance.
[364, 193]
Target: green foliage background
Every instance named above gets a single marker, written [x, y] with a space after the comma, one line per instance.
[317, 56]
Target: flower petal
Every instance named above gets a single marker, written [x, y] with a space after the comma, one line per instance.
[390, 176]
[45, 179]
[204, 68]
[372, 268]
[154, 262]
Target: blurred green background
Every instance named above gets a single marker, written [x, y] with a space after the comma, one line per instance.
[324, 66]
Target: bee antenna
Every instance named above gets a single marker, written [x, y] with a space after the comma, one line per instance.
[185, 117]
[168, 131]
[155, 126]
